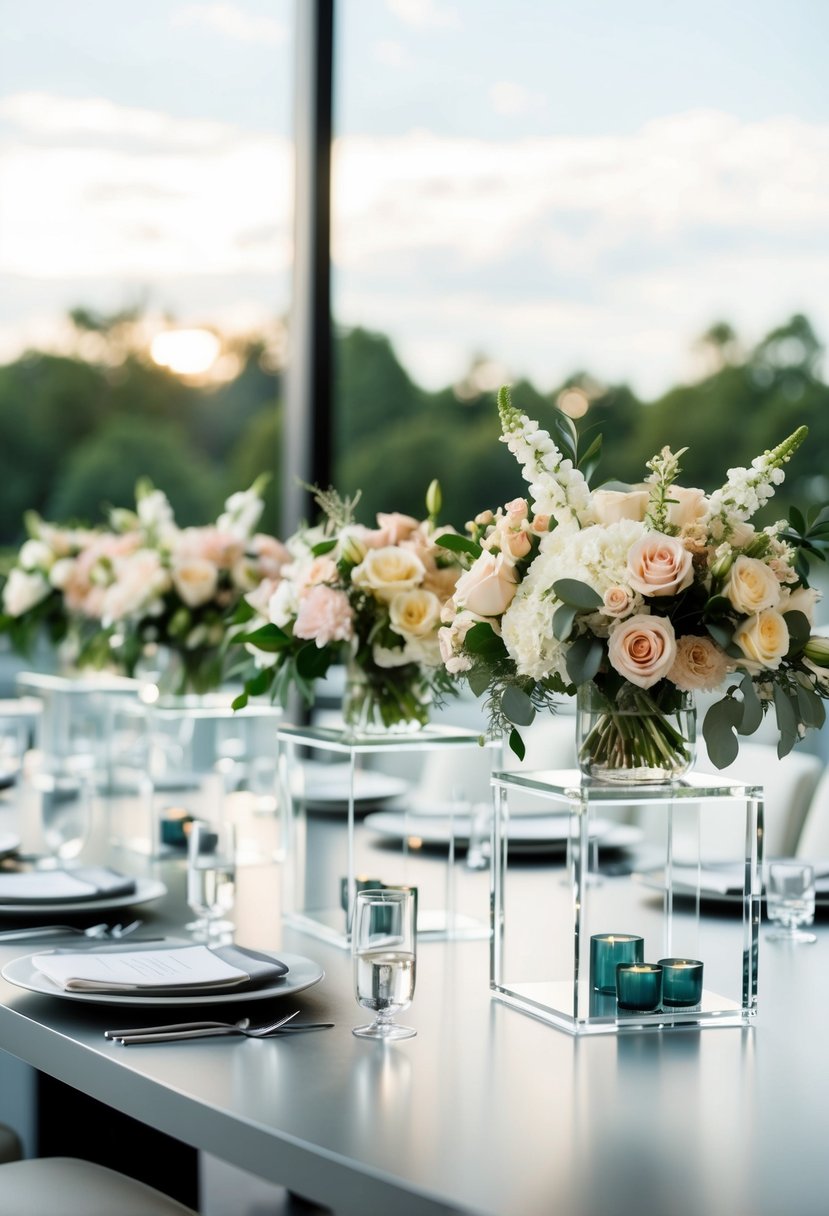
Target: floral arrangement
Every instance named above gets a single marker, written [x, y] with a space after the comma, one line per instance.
[142, 590]
[641, 596]
[368, 597]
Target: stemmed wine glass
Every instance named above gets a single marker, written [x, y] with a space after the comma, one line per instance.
[790, 900]
[211, 878]
[383, 945]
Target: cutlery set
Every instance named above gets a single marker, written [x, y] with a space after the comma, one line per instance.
[204, 1030]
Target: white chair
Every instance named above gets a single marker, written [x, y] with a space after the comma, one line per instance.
[66, 1186]
[789, 785]
[813, 842]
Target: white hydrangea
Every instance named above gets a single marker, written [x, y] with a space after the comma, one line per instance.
[597, 556]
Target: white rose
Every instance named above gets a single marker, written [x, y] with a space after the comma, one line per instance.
[283, 604]
[195, 580]
[414, 614]
[689, 505]
[764, 640]
[35, 555]
[642, 649]
[752, 586]
[23, 591]
[609, 506]
[803, 600]
[384, 572]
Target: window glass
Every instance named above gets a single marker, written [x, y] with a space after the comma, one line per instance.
[618, 207]
[145, 249]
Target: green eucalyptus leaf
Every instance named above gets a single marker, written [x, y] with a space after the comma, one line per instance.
[324, 546]
[722, 632]
[563, 619]
[584, 658]
[482, 640]
[312, 661]
[799, 629]
[810, 708]
[458, 544]
[269, 638]
[239, 702]
[478, 680]
[718, 729]
[752, 713]
[517, 706]
[796, 520]
[517, 744]
[786, 711]
[573, 592]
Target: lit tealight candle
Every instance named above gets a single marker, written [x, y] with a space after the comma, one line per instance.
[175, 824]
[681, 981]
[607, 950]
[639, 986]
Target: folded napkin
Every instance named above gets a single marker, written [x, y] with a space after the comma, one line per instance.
[84, 884]
[171, 971]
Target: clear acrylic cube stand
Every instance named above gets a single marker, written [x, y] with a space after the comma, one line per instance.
[328, 785]
[705, 851]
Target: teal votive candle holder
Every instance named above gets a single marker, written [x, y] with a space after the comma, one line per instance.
[681, 981]
[607, 950]
[639, 986]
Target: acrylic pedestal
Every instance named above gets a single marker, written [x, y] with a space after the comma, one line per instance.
[194, 756]
[540, 955]
[330, 853]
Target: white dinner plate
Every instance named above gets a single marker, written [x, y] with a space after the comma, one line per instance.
[326, 787]
[532, 833]
[302, 973]
[146, 891]
[654, 880]
[9, 843]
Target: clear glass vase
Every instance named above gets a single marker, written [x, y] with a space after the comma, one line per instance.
[385, 699]
[635, 737]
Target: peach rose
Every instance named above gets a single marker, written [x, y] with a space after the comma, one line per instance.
[488, 588]
[609, 506]
[541, 524]
[764, 640]
[699, 666]
[752, 586]
[324, 616]
[386, 571]
[642, 649]
[195, 580]
[617, 601]
[270, 553]
[396, 527]
[659, 565]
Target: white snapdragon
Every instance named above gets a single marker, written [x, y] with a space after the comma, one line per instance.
[556, 487]
[241, 514]
[747, 490]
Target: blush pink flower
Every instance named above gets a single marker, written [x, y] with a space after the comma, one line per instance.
[642, 649]
[324, 616]
[700, 665]
[659, 565]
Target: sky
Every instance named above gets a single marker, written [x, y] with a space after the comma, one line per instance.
[555, 186]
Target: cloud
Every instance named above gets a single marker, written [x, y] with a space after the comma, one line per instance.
[232, 22]
[512, 100]
[390, 53]
[607, 252]
[424, 14]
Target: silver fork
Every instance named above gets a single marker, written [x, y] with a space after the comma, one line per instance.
[163, 1035]
[94, 932]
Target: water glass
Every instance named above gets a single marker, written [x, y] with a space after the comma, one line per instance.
[211, 878]
[790, 900]
[383, 945]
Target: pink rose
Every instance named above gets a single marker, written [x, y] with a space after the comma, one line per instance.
[324, 616]
[270, 553]
[516, 510]
[488, 588]
[609, 506]
[210, 544]
[541, 524]
[396, 527]
[699, 666]
[659, 565]
[617, 601]
[642, 649]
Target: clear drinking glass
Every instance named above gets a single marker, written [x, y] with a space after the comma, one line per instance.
[211, 878]
[790, 900]
[383, 945]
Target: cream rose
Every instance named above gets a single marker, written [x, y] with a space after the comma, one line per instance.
[642, 649]
[396, 527]
[688, 506]
[618, 601]
[659, 565]
[384, 572]
[488, 588]
[195, 580]
[414, 614]
[752, 586]
[699, 666]
[609, 506]
[764, 640]
[803, 600]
